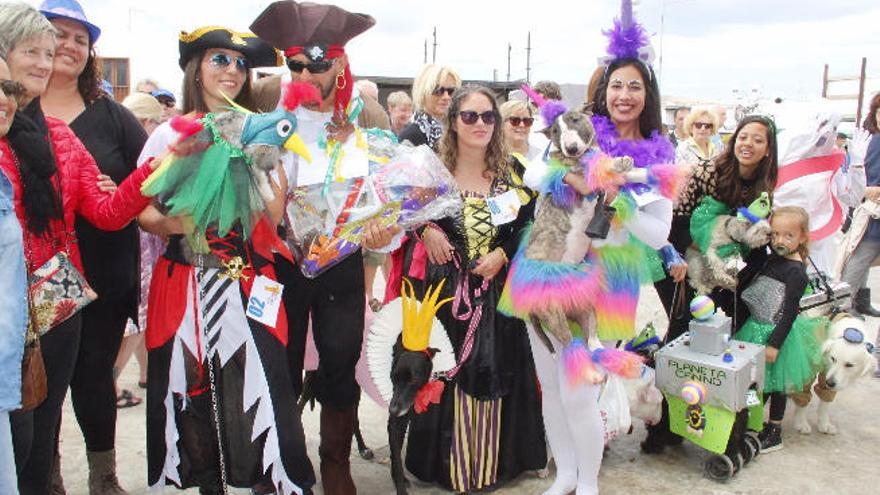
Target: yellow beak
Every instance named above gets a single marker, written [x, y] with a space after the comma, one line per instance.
[295, 144]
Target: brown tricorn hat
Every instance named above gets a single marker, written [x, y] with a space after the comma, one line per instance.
[287, 23]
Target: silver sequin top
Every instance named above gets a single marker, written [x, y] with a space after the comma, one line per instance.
[764, 298]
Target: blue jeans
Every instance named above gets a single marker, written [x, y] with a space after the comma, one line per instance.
[13, 300]
[8, 478]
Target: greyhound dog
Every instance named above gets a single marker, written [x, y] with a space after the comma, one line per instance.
[408, 354]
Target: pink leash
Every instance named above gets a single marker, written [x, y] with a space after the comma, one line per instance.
[462, 295]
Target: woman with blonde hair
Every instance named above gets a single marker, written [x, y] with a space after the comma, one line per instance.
[431, 93]
[517, 120]
[699, 126]
[146, 109]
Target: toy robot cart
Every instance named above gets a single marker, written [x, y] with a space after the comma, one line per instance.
[714, 387]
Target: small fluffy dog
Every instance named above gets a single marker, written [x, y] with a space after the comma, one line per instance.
[845, 362]
[708, 271]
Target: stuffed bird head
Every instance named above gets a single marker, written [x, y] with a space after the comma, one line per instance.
[263, 136]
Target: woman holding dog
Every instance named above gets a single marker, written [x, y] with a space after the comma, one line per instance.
[626, 106]
[487, 428]
[746, 168]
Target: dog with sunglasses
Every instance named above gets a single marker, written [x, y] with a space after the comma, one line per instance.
[846, 358]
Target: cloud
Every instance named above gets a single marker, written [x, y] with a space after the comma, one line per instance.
[709, 47]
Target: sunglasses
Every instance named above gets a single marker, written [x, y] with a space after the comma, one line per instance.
[12, 89]
[523, 121]
[469, 117]
[222, 60]
[317, 67]
[703, 125]
[439, 90]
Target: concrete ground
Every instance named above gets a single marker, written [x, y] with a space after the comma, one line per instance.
[846, 463]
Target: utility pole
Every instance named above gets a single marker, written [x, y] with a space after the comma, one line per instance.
[508, 62]
[861, 92]
[529, 58]
[434, 58]
[494, 75]
[426, 51]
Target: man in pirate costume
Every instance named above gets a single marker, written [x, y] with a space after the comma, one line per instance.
[219, 411]
[312, 37]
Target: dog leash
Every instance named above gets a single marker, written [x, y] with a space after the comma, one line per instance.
[474, 313]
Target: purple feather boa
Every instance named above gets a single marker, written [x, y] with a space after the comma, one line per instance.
[655, 150]
[625, 41]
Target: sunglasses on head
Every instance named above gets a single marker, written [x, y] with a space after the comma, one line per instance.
[222, 60]
[439, 90]
[524, 121]
[12, 89]
[703, 125]
[316, 67]
[469, 117]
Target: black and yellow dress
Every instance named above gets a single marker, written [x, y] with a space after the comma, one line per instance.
[488, 426]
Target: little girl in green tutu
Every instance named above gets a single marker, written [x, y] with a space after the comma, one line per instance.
[773, 299]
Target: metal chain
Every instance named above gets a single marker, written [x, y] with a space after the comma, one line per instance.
[213, 385]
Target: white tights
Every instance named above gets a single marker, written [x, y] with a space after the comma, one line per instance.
[571, 420]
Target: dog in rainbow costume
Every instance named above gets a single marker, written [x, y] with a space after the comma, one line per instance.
[552, 282]
[590, 285]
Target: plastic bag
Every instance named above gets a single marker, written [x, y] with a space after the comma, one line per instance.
[614, 408]
[409, 188]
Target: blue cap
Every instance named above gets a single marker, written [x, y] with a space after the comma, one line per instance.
[162, 93]
[69, 9]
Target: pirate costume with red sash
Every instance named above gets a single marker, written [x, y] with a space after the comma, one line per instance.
[325, 286]
[219, 408]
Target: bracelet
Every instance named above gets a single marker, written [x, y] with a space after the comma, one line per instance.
[503, 255]
[431, 225]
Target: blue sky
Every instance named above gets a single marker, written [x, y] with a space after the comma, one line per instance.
[709, 47]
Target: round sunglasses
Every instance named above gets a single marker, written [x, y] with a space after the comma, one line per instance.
[316, 67]
[222, 60]
[521, 121]
[469, 117]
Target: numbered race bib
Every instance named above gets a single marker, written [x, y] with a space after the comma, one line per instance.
[265, 301]
[504, 208]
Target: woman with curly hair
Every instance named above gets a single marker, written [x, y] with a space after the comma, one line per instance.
[487, 428]
[114, 138]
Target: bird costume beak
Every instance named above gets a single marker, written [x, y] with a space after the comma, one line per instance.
[295, 144]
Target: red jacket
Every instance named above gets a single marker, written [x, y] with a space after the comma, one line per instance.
[79, 187]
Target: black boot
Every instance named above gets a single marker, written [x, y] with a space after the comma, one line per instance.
[771, 438]
[862, 303]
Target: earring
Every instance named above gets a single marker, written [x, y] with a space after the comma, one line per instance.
[341, 77]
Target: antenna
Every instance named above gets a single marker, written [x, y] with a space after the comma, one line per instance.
[434, 57]
[508, 62]
[529, 58]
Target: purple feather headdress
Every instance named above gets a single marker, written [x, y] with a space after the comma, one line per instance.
[550, 109]
[627, 38]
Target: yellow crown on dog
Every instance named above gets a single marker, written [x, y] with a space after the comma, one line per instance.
[418, 318]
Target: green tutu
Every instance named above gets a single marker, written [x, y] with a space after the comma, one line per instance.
[800, 358]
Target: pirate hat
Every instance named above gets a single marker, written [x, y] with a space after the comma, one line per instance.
[256, 51]
[286, 23]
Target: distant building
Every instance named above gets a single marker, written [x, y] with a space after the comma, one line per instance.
[116, 71]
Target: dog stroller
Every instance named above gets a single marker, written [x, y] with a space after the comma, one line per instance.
[714, 388]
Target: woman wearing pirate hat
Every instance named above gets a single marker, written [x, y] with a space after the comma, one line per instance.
[218, 414]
